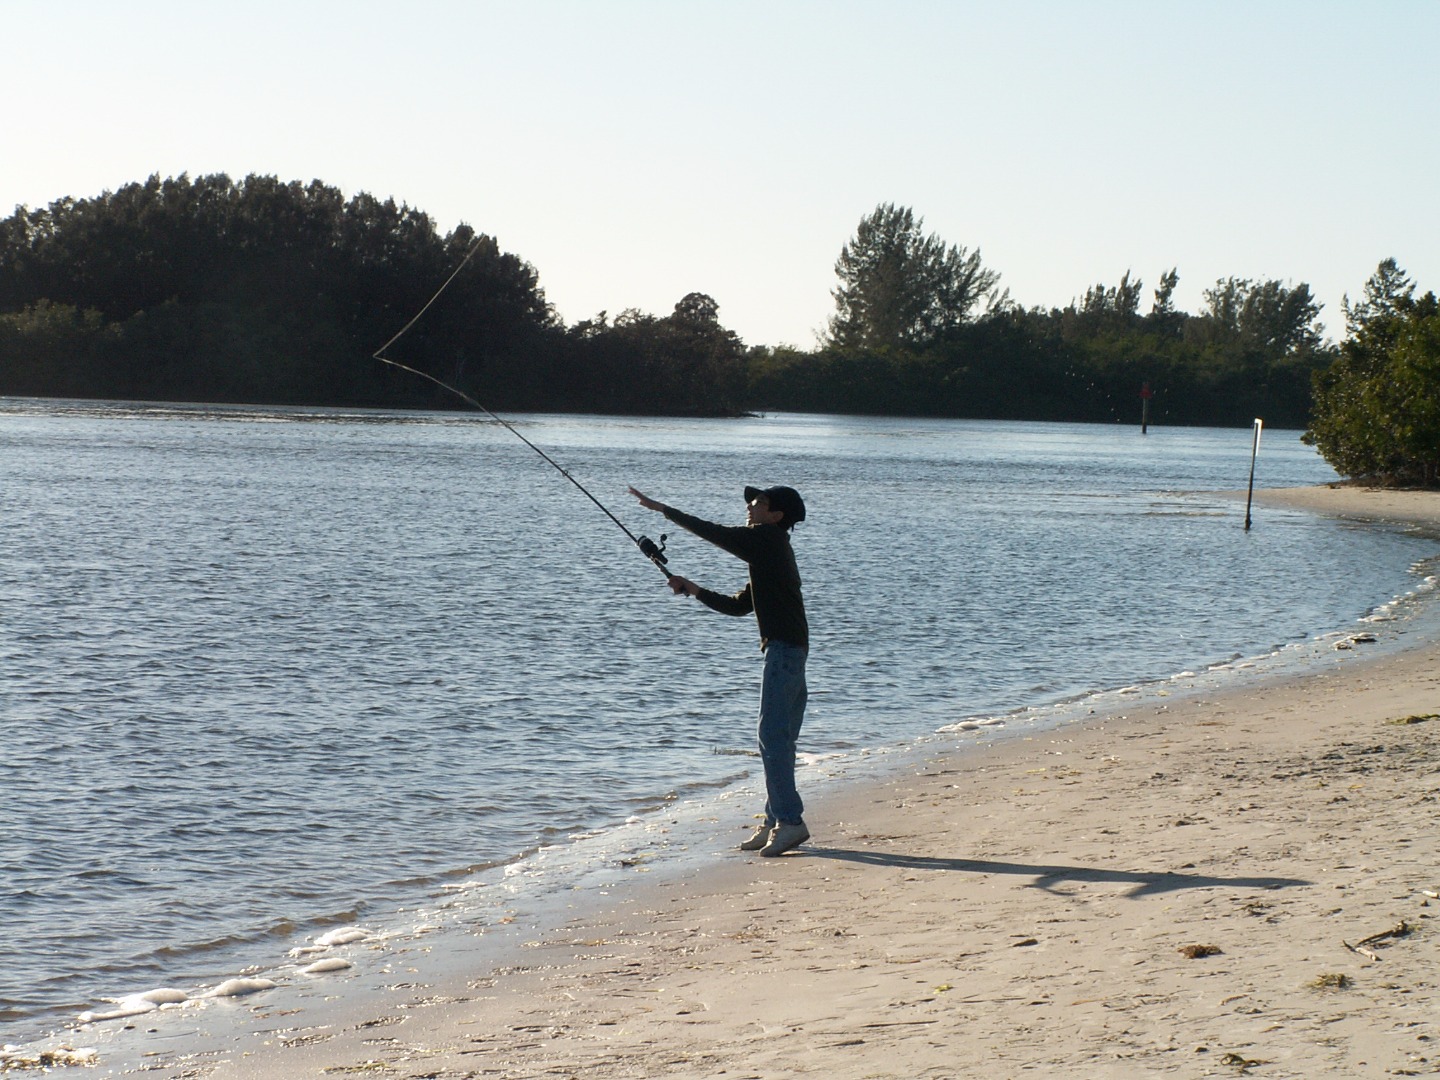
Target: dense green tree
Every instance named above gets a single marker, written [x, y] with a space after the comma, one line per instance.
[54, 349]
[1377, 407]
[901, 288]
[1164, 304]
[1389, 291]
[1250, 353]
[1164, 319]
[685, 363]
[1119, 303]
[1264, 315]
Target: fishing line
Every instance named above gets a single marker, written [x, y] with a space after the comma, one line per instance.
[652, 551]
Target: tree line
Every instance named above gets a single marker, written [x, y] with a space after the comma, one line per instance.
[263, 291]
[266, 292]
[921, 326]
[1377, 407]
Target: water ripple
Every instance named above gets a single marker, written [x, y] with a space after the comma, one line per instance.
[269, 670]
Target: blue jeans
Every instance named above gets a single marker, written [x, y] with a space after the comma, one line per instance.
[782, 709]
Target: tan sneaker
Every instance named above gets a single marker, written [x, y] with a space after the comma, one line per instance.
[758, 839]
[784, 838]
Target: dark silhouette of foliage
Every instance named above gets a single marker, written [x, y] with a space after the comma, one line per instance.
[256, 291]
[265, 291]
[905, 338]
[271, 292]
[1088, 361]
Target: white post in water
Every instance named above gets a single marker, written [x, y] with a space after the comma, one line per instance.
[1254, 452]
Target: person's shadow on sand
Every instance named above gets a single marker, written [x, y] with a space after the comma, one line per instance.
[1048, 877]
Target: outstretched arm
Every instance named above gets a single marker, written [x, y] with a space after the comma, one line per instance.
[733, 540]
[737, 540]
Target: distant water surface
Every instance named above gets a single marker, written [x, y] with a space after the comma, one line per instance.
[266, 670]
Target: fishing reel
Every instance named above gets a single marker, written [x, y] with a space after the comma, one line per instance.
[654, 552]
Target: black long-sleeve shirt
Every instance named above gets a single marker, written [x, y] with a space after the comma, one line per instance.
[773, 592]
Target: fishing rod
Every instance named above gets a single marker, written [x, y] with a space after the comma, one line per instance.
[652, 551]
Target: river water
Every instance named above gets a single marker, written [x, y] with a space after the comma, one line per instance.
[268, 671]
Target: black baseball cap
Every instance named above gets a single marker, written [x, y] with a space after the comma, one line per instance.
[785, 499]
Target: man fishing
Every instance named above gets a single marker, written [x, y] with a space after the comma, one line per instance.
[773, 594]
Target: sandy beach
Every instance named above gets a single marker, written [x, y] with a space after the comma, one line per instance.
[1239, 883]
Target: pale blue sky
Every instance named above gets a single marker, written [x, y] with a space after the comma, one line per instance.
[638, 150]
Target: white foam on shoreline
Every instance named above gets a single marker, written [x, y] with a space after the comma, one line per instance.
[137, 1005]
[240, 988]
[320, 967]
[149, 1001]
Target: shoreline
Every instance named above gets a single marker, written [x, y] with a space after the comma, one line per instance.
[1357, 502]
[930, 931]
